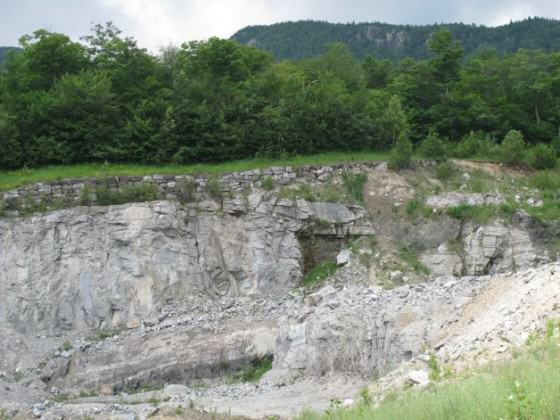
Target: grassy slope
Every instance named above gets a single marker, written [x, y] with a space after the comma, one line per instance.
[14, 179]
[526, 388]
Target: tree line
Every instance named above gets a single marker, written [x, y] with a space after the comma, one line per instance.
[106, 99]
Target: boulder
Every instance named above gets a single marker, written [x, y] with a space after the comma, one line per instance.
[418, 378]
[343, 258]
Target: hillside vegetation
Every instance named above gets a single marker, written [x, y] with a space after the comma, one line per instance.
[5, 52]
[105, 100]
[306, 39]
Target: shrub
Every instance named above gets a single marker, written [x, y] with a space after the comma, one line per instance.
[410, 256]
[474, 144]
[542, 156]
[66, 346]
[87, 196]
[411, 207]
[139, 194]
[255, 371]
[556, 144]
[303, 191]
[102, 335]
[465, 212]
[481, 214]
[417, 207]
[268, 183]
[354, 184]
[319, 273]
[545, 181]
[214, 187]
[433, 147]
[186, 191]
[401, 154]
[444, 171]
[512, 149]
[434, 368]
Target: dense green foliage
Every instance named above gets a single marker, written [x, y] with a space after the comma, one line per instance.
[6, 51]
[104, 99]
[305, 39]
[524, 388]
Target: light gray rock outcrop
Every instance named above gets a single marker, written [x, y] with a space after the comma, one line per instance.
[91, 268]
[369, 331]
[487, 249]
[453, 199]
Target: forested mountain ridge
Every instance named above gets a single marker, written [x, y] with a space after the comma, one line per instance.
[305, 39]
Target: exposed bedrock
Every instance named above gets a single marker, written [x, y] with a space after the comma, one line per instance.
[473, 250]
[369, 331]
[100, 267]
[167, 357]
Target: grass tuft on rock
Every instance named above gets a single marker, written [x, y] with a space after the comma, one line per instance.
[319, 273]
[254, 372]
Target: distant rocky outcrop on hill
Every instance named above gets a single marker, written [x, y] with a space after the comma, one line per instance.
[305, 39]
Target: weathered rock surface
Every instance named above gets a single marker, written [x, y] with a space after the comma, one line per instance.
[369, 331]
[453, 199]
[487, 249]
[195, 292]
[167, 357]
[90, 268]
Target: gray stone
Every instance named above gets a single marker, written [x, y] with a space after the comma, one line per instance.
[322, 295]
[343, 258]
[418, 378]
[174, 390]
[38, 410]
[396, 276]
[453, 199]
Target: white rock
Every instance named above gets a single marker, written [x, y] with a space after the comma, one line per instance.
[396, 276]
[343, 258]
[174, 390]
[322, 295]
[418, 378]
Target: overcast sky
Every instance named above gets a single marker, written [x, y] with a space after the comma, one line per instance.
[159, 22]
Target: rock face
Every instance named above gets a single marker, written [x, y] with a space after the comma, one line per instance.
[488, 249]
[109, 299]
[167, 357]
[90, 268]
[452, 199]
[369, 331]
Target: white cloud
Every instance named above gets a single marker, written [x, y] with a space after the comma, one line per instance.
[157, 23]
